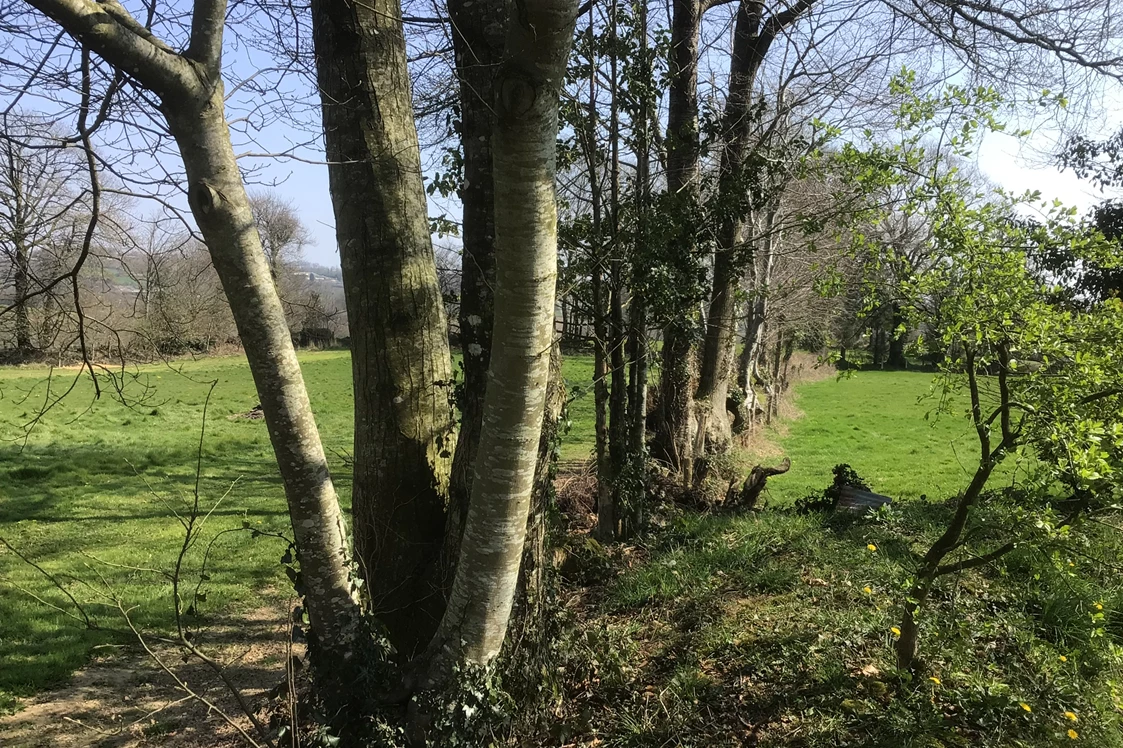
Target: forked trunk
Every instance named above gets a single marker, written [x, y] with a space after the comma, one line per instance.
[399, 342]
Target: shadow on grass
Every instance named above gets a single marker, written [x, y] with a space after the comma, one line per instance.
[123, 685]
[99, 518]
[52, 484]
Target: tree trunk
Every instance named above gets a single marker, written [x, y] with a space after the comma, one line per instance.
[739, 193]
[633, 516]
[606, 512]
[618, 397]
[21, 276]
[897, 340]
[222, 211]
[399, 339]
[721, 334]
[774, 385]
[525, 162]
[760, 280]
[674, 437]
[477, 37]
[532, 598]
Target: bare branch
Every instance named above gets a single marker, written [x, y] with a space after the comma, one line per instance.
[110, 31]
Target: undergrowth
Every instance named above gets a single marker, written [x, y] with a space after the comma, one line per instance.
[777, 630]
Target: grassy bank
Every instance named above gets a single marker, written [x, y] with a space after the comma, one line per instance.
[778, 630]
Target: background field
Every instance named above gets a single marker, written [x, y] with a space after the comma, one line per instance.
[89, 494]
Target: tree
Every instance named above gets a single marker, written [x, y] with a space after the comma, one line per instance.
[40, 199]
[190, 91]
[1066, 411]
[283, 236]
[995, 41]
[527, 86]
[401, 365]
[1038, 375]
[738, 197]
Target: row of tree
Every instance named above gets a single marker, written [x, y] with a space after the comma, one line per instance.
[699, 231]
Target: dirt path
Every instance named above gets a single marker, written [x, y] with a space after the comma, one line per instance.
[124, 699]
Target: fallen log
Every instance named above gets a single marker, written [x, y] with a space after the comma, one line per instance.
[750, 491]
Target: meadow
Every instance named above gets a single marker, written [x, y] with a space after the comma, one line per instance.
[90, 493]
[89, 487]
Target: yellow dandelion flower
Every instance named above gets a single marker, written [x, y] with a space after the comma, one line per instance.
[872, 547]
[896, 631]
[867, 590]
[1025, 706]
[1070, 716]
[1062, 658]
[1099, 607]
[935, 680]
[1073, 734]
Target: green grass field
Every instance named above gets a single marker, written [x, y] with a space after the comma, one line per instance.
[90, 493]
[885, 426]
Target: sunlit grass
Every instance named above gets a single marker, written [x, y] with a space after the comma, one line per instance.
[91, 490]
[885, 425]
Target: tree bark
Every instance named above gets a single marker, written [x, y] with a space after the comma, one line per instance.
[17, 210]
[21, 277]
[738, 192]
[606, 511]
[399, 340]
[633, 517]
[674, 437]
[532, 598]
[760, 280]
[618, 396]
[524, 161]
[477, 38]
[190, 90]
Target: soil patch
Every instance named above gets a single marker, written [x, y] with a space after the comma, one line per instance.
[123, 699]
